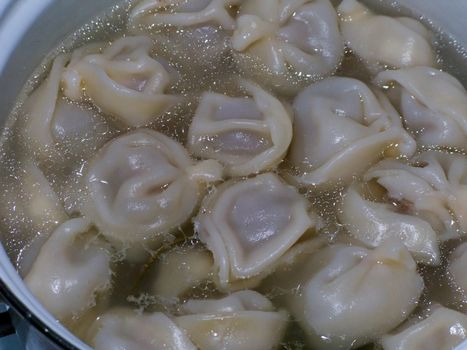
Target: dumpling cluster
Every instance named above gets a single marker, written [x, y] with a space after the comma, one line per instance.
[243, 320]
[124, 329]
[285, 44]
[278, 199]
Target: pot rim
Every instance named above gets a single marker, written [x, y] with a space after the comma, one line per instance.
[20, 308]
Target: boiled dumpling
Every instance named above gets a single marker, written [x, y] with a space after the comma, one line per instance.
[182, 13]
[42, 204]
[79, 131]
[432, 103]
[40, 108]
[248, 225]
[143, 185]
[195, 32]
[52, 120]
[350, 302]
[37, 210]
[123, 81]
[444, 329]
[340, 128]
[293, 40]
[373, 223]
[123, 329]
[344, 299]
[458, 265]
[180, 270]
[433, 186]
[72, 267]
[394, 41]
[241, 321]
[247, 134]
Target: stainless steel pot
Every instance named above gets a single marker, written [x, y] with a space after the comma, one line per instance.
[29, 29]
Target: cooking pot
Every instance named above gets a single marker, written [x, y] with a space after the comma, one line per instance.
[29, 29]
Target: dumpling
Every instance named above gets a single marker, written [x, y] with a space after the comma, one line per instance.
[72, 267]
[40, 108]
[294, 41]
[344, 299]
[246, 134]
[383, 40]
[374, 223]
[241, 321]
[340, 129]
[248, 225]
[42, 204]
[51, 120]
[182, 13]
[120, 329]
[180, 270]
[433, 185]
[78, 130]
[444, 329]
[195, 31]
[432, 103]
[350, 302]
[31, 209]
[123, 81]
[142, 185]
[457, 266]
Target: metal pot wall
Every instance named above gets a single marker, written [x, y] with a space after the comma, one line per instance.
[29, 29]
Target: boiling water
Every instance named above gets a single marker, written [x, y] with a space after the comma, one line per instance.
[23, 235]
